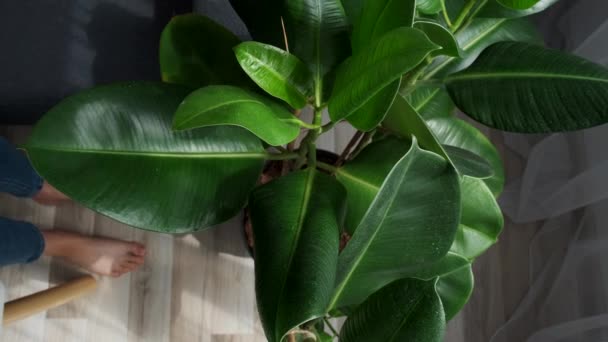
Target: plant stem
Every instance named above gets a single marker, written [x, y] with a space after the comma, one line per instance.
[446, 15]
[331, 327]
[472, 16]
[327, 127]
[430, 82]
[280, 149]
[362, 143]
[282, 156]
[313, 135]
[327, 167]
[348, 148]
[302, 123]
[409, 80]
[463, 15]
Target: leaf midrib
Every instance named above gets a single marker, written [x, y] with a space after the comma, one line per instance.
[378, 20]
[407, 316]
[188, 155]
[342, 285]
[300, 223]
[385, 60]
[427, 100]
[520, 75]
[354, 178]
[279, 76]
[195, 115]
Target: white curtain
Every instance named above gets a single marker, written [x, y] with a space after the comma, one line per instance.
[565, 185]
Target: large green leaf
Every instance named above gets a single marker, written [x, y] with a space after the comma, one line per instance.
[112, 149]
[468, 163]
[455, 289]
[481, 220]
[429, 6]
[228, 105]
[373, 112]
[353, 9]
[296, 230]
[526, 88]
[518, 4]
[318, 33]
[380, 17]
[401, 228]
[263, 19]
[431, 102]
[278, 72]
[500, 9]
[196, 51]
[440, 36]
[363, 176]
[444, 266]
[476, 37]
[366, 74]
[405, 310]
[455, 132]
[403, 120]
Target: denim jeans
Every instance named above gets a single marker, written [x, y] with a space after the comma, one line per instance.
[20, 242]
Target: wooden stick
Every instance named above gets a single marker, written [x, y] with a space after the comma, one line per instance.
[21, 308]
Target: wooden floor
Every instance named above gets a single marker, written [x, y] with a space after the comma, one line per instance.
[200, 287]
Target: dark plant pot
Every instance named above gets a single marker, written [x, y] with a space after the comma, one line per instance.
[271, 171]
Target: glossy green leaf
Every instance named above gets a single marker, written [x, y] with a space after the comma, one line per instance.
[526, 88]
[440, 36]
[455, 132]
[373, 112]
[363, 176]
[431, 102]
[494, 9]
[318, 33]
[455, 289]
[403, 120]
[263, 20]
[401, 228]
[120, 157]
[296, 231]
[481, 220]
[480, 225]
[405, 310]
[278, 72]
[196, 51]
[429, 6]
[468, 163]
[380, 17]
[454, 7]
[476, 37]
[518, 4]
[353, 9]
[228, 105]
[366, 74]
[324, 337]
[446, 265]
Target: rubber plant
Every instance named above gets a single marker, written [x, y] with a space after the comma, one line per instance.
[386, 234]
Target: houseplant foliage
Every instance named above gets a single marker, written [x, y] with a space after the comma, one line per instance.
[413, 194]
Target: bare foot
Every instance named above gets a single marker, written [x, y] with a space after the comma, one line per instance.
[102, 256]
[48, 195]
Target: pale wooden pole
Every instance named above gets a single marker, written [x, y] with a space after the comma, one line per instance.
[27, 306]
